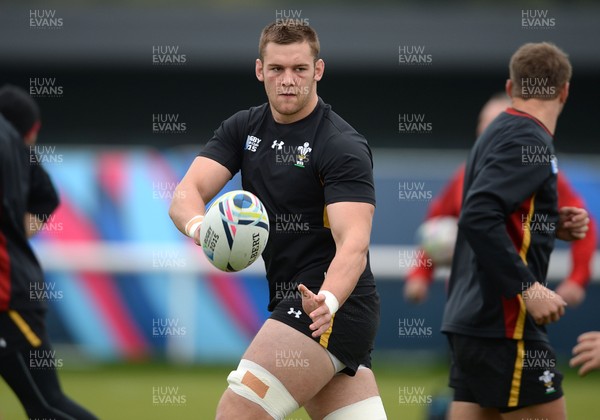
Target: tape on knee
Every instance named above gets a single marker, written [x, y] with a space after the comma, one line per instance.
[371, 408]
[258, 385]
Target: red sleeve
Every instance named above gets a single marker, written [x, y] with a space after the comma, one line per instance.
[447, 203]
[582, 251]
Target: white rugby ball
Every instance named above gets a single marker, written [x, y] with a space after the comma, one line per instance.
[437, 237]
[234, 231]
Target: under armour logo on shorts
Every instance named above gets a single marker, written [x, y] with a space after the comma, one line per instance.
[296, 313]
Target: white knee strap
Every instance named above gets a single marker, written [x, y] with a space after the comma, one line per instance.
[258, 385]
[371, 408]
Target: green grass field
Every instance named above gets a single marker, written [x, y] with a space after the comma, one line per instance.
[129, 392]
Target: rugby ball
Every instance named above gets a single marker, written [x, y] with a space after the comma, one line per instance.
[437, 237]
[234, 231]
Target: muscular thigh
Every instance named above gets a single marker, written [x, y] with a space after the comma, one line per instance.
[460, 410]
[342, 391]
[300, 363]
[554, 410]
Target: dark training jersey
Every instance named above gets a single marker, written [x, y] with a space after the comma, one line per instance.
[296, 170]
[506, 230]
[24, 188]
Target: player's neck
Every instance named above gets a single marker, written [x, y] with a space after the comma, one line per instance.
[545, 111]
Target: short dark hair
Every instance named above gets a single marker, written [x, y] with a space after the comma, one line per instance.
[19, 108]
[288, 33]
[544, 61]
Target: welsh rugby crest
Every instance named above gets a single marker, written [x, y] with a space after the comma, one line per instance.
[302, 155]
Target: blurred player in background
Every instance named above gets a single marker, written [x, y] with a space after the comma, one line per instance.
[330, 184]
[448, 203]
[28, 198]
[497, 303]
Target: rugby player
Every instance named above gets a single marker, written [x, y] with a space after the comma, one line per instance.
[300, 158]
[497, 302]
[448, 203]
[28, 198]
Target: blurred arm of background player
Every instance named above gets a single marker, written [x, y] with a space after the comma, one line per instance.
[42, 201]
[43, 198]
[448, 203]
[572, 289]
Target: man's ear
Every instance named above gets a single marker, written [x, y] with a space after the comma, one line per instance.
[508, 87]
[564, 93]
[259, 70]
[319, 69]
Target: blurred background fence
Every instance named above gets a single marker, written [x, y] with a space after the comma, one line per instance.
[123, 283]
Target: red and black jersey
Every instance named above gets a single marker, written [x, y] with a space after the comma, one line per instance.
[449, 201]
[296, 170]
[24, 187]
[507, 228]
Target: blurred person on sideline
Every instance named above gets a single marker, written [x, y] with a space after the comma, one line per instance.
[27, 361]
[498, 305]
[448, 203]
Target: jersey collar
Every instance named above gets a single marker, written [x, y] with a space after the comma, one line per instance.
[513, 111]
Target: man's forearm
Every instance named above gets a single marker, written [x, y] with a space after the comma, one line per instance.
[344, 271]
[186, 204]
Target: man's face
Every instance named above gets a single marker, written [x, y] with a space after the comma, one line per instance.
[290, 73]
[490, 111]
